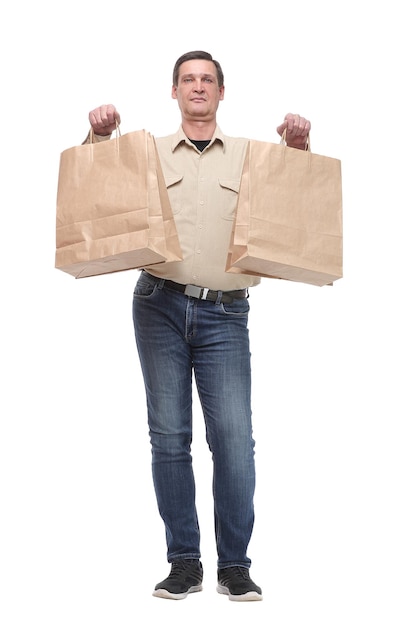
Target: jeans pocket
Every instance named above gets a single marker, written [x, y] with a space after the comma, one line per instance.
[239, 307]
[145, 286]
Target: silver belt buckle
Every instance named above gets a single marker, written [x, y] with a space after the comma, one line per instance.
[194, 291]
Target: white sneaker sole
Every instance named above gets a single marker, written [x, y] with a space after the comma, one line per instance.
[164, 593]
[250, 596]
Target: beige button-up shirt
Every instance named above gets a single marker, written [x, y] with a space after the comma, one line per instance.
[203, 189]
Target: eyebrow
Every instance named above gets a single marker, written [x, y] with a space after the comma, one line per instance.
[205, 75]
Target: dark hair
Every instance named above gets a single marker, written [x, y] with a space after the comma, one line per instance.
[197, 54]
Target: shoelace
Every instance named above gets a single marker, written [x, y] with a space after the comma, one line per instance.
[179, 567]
[232, 572]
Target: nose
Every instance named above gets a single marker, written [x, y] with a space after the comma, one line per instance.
[198, 85]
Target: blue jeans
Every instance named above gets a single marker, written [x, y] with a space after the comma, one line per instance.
[177, 335]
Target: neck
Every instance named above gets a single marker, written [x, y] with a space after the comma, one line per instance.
[199, 130]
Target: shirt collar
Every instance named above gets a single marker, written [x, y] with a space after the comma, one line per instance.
[181, 137]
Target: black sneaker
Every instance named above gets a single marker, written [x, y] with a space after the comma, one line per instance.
[236, 583]
[186, 577]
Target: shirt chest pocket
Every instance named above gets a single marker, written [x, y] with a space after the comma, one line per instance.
[222, 198]
[229, 190]
[175, 192]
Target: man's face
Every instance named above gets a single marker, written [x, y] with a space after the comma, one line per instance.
[198, 92]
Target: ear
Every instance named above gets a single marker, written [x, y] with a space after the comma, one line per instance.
[174, 92]
[221, 93]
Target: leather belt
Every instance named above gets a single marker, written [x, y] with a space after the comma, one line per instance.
[202, 293]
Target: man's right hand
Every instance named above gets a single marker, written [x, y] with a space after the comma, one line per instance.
[104, 119]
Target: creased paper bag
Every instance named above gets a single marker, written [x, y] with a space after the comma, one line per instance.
[113, 211]
[288, 221]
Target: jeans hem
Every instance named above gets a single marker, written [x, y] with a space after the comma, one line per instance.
[184, 557]
[234, 564]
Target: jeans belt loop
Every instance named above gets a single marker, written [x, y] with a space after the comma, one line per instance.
[219, 297]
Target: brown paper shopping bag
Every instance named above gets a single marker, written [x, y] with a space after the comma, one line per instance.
[288, 221]
[113, 211]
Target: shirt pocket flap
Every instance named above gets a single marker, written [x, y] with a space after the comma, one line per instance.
[229, 183]
[173, 180]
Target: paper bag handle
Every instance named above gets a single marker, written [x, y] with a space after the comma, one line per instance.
[92, 135]
[308, 142]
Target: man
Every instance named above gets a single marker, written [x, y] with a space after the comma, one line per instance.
[191, 317]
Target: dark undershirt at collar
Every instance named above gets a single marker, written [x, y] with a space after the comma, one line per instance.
[200, 144]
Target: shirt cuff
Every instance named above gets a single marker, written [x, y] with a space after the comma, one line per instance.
[96, 138]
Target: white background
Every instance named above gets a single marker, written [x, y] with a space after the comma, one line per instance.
[334, 368]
